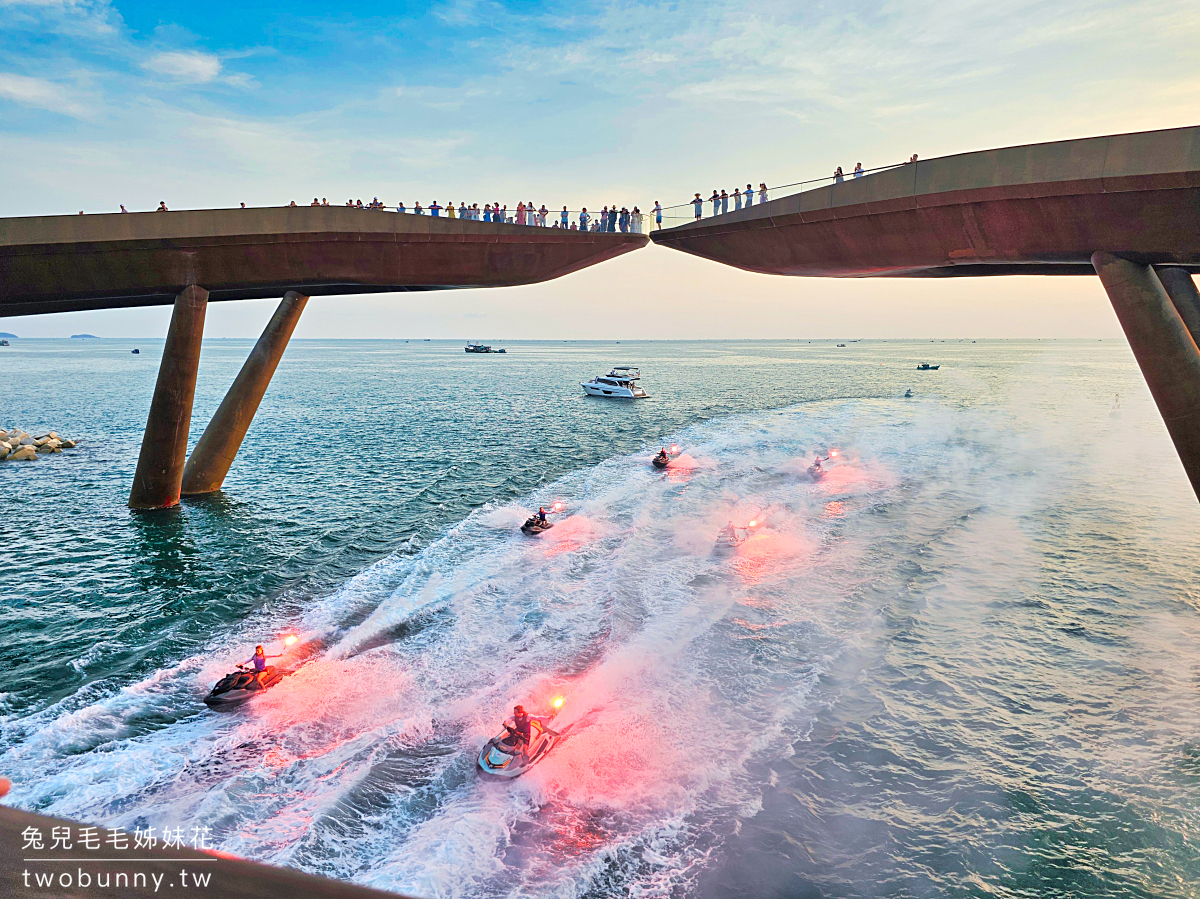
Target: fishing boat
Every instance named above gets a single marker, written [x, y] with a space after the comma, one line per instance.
[925, 366]
[481, 348]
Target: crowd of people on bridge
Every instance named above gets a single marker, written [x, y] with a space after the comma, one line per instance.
[720, 200]
[609, 219]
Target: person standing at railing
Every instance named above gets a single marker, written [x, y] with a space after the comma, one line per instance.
[584, 218]
[699, 204]
[838, 177]
[520, 213]
[565, 218]
[858, 170]
[434, 209]
[463, 211]
[716, 201]
[749, 196]
[737, 199]
[449, 210]
[487, 212]
[542, 213]
[762, 192]
[724, 202]
[658, 214]
[503, 213]
[400, 207]
[635, 221]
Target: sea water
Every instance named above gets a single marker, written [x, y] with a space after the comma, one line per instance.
[962, 663]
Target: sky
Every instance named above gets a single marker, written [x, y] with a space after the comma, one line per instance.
[572, 103]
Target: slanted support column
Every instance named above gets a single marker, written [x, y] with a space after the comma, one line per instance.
[1184, 296]
[1164, 349]
[164, 444]
[219, 444]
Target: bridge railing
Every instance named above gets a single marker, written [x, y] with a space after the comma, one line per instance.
[682, 213]
[592, 220]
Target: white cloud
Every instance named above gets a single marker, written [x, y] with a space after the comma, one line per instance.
[92, 19]
[190, 66]
[40, 94]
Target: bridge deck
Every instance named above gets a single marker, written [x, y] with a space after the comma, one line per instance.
[71, 262]
[1035, 209]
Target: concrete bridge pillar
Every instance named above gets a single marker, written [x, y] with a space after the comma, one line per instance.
[159, 474]
[1164, 348]
[1182, 291]
[219, 444]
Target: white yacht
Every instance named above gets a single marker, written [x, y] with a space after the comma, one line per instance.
[621, 382]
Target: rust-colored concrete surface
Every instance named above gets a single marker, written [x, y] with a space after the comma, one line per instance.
[1036, 209]
[70, 262]
[229, 878]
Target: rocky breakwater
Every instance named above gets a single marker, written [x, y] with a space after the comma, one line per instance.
[21, 446]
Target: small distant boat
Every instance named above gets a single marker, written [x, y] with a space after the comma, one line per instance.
[135, 351]
[841, 344]
[481, 348]
[619, 383]
[925, 366]
[4, 343]
[908, 393]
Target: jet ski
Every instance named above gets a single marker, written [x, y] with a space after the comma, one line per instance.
[731, 538]
[664, 457]
[501, 758]
[908, 393]
[241, 685]
[815, 471]
[534, 526]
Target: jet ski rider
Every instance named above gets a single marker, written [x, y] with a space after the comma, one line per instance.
[541, 515]
[662, 455]
[259, 661]
[518, 726]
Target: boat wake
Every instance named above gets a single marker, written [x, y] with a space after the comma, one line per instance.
[684, 671]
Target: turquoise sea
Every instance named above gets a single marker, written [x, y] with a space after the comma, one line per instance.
[966, 662]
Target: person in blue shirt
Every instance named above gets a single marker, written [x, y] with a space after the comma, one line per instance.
[699, 204]
[259, 661]
[565, 217]
[658, 213]
[434, 209]
[584, 218]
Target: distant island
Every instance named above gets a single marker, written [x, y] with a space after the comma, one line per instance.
[84, 336]
[5, 334]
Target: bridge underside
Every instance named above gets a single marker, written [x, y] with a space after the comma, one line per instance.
[1125, 207]
[186, 259]
[70, 263]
